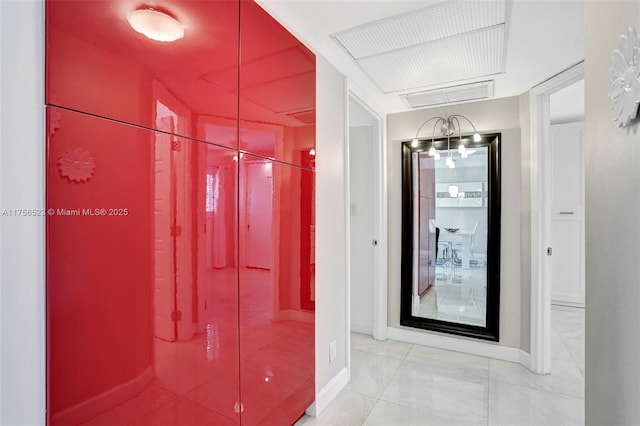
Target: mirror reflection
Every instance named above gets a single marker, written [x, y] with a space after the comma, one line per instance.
[450, 234]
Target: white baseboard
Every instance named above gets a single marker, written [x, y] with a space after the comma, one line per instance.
[525, 359]
[329, 392]
[362, 328]
[458, 344]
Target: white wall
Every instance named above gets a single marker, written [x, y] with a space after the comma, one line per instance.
[331, 219]
[525, 222]
[361, 226]
[567, 105]
[22, 296]
[612, 230]
[501, 115]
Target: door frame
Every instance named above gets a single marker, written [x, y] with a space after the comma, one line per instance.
[379, 320]
[540, 326]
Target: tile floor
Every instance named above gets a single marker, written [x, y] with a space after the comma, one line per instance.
[397, 384]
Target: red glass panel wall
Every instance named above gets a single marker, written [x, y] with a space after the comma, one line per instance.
[96, 63]
[180, 261]
[277, 89]
[142, 296]
[277, 223]
[276, 286]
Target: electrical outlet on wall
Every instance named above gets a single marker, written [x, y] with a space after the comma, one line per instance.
[332, 351]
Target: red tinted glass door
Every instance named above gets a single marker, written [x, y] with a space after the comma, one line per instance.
[277, 355]
[276, 221]
[180, 269]
[141, 275]
[277, 89]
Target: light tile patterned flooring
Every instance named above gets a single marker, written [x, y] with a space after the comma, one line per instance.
[397, 384]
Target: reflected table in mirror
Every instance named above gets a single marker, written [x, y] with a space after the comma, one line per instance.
[462, 236]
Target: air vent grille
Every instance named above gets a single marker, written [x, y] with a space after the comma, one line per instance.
[443, 20]
[452, 94]
[447, 42]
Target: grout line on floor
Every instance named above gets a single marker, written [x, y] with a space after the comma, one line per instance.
[379, 355]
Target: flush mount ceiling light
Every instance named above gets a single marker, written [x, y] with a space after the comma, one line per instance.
[156, 25]
[448, 127]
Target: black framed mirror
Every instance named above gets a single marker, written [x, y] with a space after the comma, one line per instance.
[451, 235]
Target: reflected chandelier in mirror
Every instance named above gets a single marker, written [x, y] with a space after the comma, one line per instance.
[451, 232]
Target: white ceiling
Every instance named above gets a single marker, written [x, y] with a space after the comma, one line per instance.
[542, 38]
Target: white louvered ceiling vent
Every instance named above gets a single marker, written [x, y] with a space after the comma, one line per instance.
[452, 94]
[446, 42]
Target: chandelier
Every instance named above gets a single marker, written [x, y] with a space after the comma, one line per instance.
[448, 127]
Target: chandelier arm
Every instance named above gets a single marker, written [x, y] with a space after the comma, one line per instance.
[468, 121]
[453, 117]
[433, 133]
[423, 124]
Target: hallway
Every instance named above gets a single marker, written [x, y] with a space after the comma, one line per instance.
[395, 383]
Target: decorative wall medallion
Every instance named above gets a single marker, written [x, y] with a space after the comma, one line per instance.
[54, 121]
[54, 118]
[77, 165]
[624, 91]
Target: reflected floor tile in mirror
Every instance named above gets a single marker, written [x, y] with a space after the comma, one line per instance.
[459, 297]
